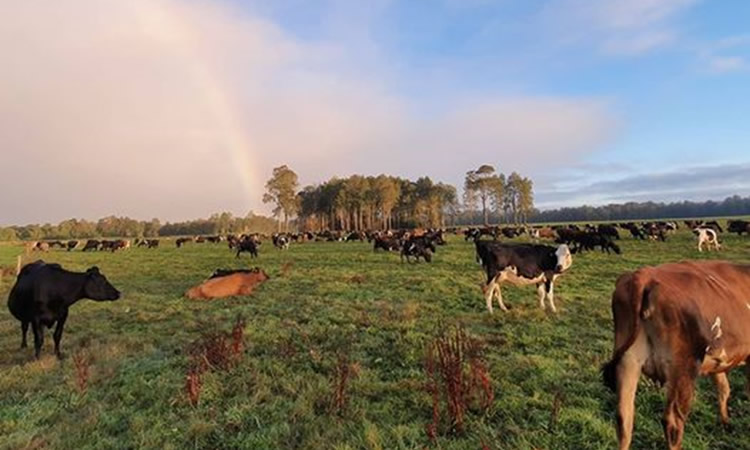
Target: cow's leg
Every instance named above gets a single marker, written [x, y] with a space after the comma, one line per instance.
[550, 285]
[680, 390]
[57, 335]
[24, 329]
[489, 291]
[628, 372]
[542, 292]
[723, 390]
[38, 329]
[500, 297]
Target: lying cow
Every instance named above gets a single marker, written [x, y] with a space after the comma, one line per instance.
[707, 237]
[522, 264]
[672, 323]
[226, 283]
[43, 293]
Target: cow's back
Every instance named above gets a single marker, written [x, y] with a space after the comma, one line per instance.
[226, 286]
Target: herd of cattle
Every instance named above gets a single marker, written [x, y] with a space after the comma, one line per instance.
[673, 322]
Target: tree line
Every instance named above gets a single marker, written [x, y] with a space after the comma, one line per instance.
[730, 206]
[126, 227]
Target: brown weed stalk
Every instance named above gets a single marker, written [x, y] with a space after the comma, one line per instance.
[457, 374]
[81, 365]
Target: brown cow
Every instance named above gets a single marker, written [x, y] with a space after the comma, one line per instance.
[228, 283]
[674, 322]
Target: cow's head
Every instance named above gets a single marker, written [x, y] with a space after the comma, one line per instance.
[97, 287]
[564, 258]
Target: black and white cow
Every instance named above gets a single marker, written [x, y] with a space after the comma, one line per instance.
[522, 264]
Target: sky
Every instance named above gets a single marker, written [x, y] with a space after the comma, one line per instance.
[177, 109]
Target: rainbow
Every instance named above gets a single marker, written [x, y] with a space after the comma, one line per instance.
[176, 33]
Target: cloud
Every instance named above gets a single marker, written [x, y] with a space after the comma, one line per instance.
[715, 58]
[172, 109]
[696, 183]
[620, 27]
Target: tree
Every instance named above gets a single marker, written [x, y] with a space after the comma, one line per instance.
[484, 185]
[281, 190]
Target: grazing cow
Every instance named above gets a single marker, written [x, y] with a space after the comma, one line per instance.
[179, 242]
[91, 244]
[608, 230]
[522, 264]
[674, 322]
[248, 244]
[417, 247]
[634, 230]
[589, 240]
[738, 226]
[120, 244]
[44, 292]
[386, 243]
[152, 243]
[226, 283]
[71, 245]
[707, 237]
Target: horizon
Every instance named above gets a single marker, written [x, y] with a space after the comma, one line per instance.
[178, 110]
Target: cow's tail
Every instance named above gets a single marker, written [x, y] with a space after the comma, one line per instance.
[628, 308]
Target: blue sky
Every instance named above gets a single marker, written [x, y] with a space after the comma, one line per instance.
[598, 101]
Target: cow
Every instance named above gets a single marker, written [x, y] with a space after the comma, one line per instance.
[91, 244]
[43, 293]
[71, 245]
[179, 242]
[120, 244]
[249, 245]
[672, 323]
[588, 240]
[152, 243]
[522, 264]
[226, 283]
[386, 243]
[280, 241]
[707, 237]
[608, 230]
[738, 226]
[417, 247]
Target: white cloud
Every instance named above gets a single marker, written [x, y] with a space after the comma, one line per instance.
[630, 27]
[178, 109]
[723, 64]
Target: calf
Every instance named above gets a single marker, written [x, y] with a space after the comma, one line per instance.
[522, 264]
[672, 323]
[226, 283]
[43, 293]
[707, 237]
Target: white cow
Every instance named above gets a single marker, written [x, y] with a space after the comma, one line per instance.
[707, 237]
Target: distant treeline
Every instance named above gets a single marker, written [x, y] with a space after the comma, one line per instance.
[365, 202]
[126, 227]
[731, 206]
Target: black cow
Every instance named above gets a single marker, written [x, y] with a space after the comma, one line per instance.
[71, 245]
[248, 244]
[179, 242]
[386, 243]
[91, 244]
[44, 292]
[608, 230]
[522, 264]
[417, 247]
[738, 226]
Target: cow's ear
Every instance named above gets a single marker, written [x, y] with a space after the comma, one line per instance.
[93, 270]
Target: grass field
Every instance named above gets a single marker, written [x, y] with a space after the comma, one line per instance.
[337, 300]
